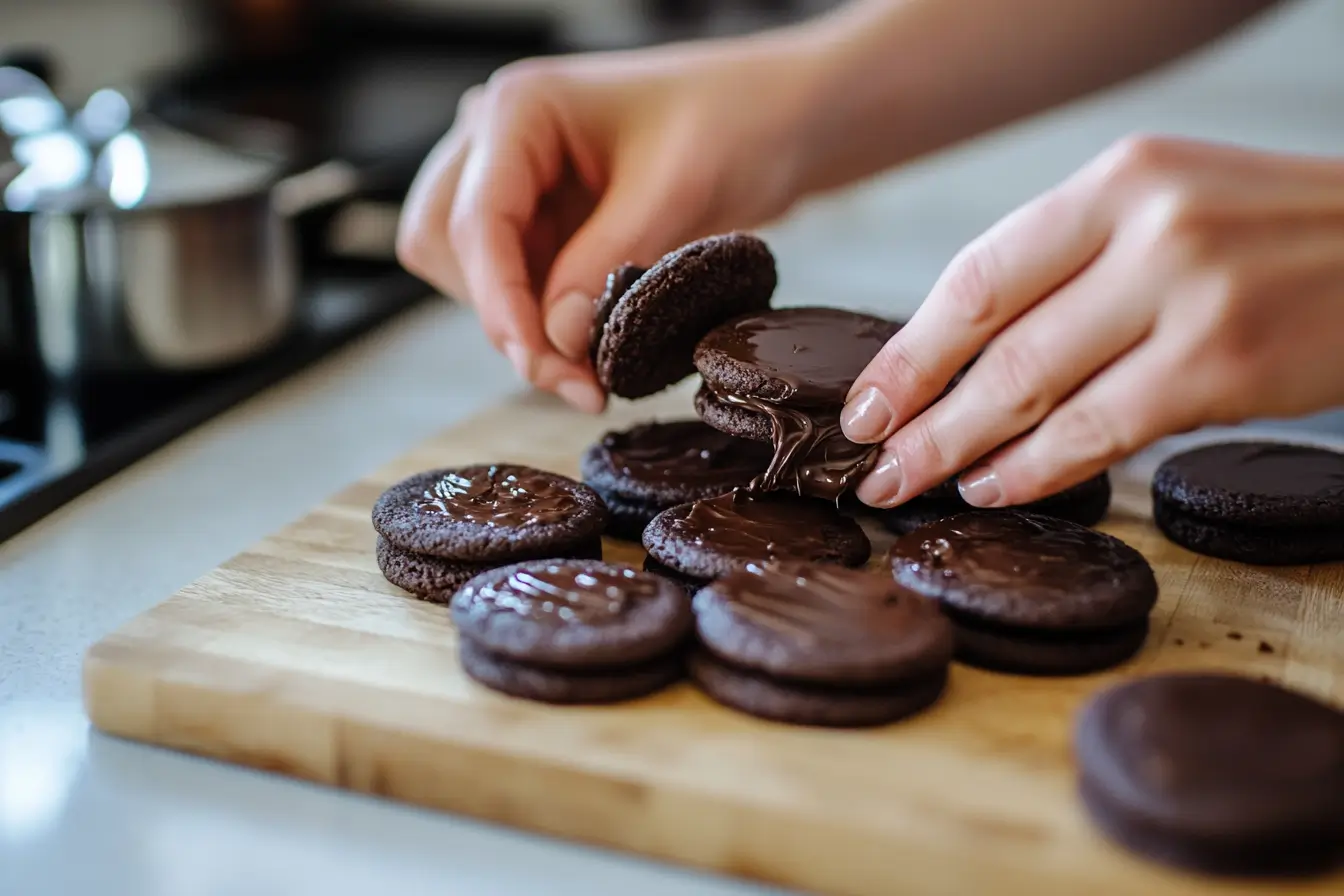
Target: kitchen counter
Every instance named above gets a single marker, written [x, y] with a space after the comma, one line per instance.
[79, 811]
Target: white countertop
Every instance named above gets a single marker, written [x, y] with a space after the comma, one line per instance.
[81, 812]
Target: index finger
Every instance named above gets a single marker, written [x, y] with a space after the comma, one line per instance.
[1019, 261]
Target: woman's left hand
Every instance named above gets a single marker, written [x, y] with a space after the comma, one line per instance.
[1167, 285]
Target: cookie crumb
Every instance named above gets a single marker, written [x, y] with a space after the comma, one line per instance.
[1234, 636]
[1179, 642]
[1265, 648]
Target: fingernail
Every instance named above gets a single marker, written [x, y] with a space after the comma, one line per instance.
[980, 488]
[881, 487]
[581, 394]
[569, 324]
[520, 358]
[867, 417]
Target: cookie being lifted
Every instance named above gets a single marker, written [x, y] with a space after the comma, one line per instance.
[645, 338]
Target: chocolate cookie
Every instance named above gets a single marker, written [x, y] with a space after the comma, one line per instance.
[1215, 773]
[1034, 583]
[644, 470]
[434, 578]
[811, 704]
[649, 336]
[783, 376]
[572, 613]
[711, 538]
[689, 584]
[619, 282]
[440, 527]
[569, 687]
[1255, 502]
[566, 631]
[1085, 503]
[822, 623]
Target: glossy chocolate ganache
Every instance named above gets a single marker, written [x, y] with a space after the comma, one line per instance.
[795, 367]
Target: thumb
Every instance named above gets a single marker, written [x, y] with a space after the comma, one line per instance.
[629, 225]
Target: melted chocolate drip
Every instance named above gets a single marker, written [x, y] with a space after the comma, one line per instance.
[684, 451]
[565, 594]
[502, 496]
[815, 354]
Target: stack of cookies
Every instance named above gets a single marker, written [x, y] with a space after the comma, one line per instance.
[571, 631]
[817, 644]
[439, 528]
[1031, 594]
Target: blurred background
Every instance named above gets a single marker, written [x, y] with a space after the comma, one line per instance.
[199, 197]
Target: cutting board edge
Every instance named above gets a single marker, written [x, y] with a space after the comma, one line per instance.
[338, 751]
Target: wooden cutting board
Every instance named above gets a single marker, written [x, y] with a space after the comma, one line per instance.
[296, 656]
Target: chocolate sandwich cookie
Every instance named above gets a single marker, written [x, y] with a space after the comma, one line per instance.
[819, 645]
[648, 336]
[782, 376]
[1255, 502]
[644, 470]
[1031, 594]
[571, 631]
[1085, 503]
[441, 527]
[711, 538]
[1215, 773]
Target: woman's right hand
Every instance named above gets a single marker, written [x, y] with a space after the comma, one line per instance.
[560, 169]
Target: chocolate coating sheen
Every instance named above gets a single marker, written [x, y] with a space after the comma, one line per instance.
[498, 496]
[795, 366]
[813, 355]
[755, 527]
[1256, 484]
[685, 452]
[1026, 570]
[561, 593]
[822, 623]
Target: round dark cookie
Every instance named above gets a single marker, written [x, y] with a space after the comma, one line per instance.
[568, 687]
[619, 282]
[792, 353]
[1256, 484]
[800, 704]
[484, 513]
[650, 336]
[1085, 504]
[691, 584]
[1244, 544]
[431, 578]
[572, 613]
[1215, 772]
[671, 462]
[822, 624]
[711, 538]
[1021, 652]
[1026, 571]
[435, 579]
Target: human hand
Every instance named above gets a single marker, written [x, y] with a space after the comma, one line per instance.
[1167, 285]
[560, 169]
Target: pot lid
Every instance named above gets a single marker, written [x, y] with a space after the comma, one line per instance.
[103, 156]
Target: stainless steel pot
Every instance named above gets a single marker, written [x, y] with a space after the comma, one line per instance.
[127, 246]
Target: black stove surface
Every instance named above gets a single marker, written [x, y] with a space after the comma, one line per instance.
[58, 441]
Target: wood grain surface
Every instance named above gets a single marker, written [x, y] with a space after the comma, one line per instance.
[296, 656]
